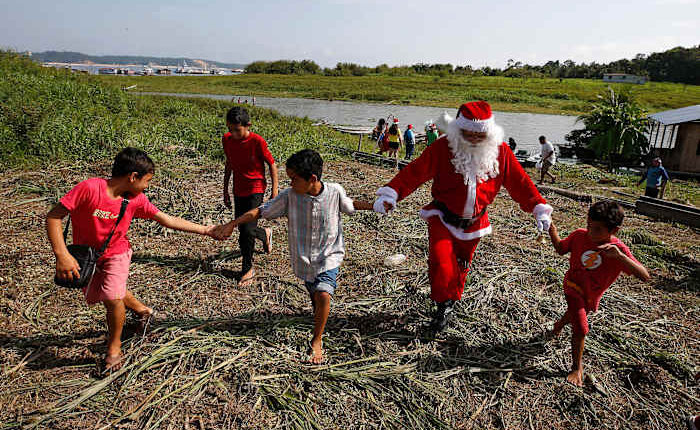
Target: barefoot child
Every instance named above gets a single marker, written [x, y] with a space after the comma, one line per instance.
[246, 156]
[597, 258]
[313, 210]
[94, 205]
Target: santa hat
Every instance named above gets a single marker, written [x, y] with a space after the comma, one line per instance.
[396, 120]
[410, 126]
[475, 116]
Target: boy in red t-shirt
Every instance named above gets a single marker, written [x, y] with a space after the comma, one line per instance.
[597, 258]
[94, 206]
[246, 156]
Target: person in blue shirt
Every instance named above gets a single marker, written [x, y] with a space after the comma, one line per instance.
[409, 138]
[656, 177]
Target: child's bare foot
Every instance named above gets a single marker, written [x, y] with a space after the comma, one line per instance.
[316, 352]
[113, 362]
[247, 278]
[575, 377]
[267, 245]
[146, 318]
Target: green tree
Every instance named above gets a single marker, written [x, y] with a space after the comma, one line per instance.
[615, 130]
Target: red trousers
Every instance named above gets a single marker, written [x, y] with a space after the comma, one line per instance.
[448, 262]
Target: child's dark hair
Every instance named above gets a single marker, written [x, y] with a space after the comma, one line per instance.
[132, 160]
[238, 115]
[305, 163]
[394, 129]
[607, 212]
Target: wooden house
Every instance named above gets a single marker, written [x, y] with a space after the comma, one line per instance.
[675, 136]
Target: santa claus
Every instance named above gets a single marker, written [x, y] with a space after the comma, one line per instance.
[468, 166]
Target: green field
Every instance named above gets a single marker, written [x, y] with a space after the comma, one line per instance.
[569, 96]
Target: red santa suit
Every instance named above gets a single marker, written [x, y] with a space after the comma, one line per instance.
[462, 199]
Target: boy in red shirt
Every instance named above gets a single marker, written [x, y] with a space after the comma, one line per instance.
[94, 206]
[597, 258]
[246, 156]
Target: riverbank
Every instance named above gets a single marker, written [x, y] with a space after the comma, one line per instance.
[569, 96]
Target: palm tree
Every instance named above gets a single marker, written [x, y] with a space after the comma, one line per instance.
[615, 129]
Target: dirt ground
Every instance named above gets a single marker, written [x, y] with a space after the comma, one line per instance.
[232, 357]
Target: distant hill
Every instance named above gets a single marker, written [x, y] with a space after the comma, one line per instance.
[78, 57]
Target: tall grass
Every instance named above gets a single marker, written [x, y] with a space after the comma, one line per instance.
[50, 115]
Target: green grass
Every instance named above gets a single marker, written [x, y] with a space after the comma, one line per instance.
[540, 95]
[50, 115]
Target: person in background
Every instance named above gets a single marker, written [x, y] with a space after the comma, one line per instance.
[409, 138]
[512, 144]
[548, 158]
[656, 177]
[395, 140]
[431, 134]
[246, 156]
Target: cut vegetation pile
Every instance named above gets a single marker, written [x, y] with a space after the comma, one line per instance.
[232, 357]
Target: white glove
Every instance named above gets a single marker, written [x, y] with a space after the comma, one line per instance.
[385, 195]
[378, 205]
[543, 216]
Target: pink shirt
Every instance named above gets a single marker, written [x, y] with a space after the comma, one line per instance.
[590, 270]
[94, 214]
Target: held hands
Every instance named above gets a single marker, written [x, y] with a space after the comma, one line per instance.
[67, 268]
[543, 216]
[222, 231]
[384, 204]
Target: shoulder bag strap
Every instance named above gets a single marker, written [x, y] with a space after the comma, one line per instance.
[119, 218]
[65, 230]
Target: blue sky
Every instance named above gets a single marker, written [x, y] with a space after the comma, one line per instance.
[367, 32]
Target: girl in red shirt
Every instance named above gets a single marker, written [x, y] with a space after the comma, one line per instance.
[596, 260]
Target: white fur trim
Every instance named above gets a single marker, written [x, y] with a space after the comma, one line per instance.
[454, 231]
[482, 126]
[471, 196]
[389, 192]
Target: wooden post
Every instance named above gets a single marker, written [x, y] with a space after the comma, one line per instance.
[359, 143]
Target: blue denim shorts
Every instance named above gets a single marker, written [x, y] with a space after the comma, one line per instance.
[324, 282]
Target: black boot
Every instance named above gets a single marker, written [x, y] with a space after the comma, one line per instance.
[442, 315]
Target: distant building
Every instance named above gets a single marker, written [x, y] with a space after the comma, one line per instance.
[624, 78]
[675, 136]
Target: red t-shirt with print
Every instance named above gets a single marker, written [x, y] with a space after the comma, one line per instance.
[94, 213]
[589, 269]
[246, 158]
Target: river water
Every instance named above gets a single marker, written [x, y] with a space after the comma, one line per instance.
[525, 128]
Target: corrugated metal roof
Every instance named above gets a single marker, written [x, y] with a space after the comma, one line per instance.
[677, 116]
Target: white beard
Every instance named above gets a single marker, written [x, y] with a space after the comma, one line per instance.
[481, 160]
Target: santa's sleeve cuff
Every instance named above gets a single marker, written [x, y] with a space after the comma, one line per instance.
[388, 192]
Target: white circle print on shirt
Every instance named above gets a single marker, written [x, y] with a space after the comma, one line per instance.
[591, 260]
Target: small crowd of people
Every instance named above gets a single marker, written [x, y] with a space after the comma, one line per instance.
[468, 165]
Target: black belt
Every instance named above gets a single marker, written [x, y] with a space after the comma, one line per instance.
[452, 218]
